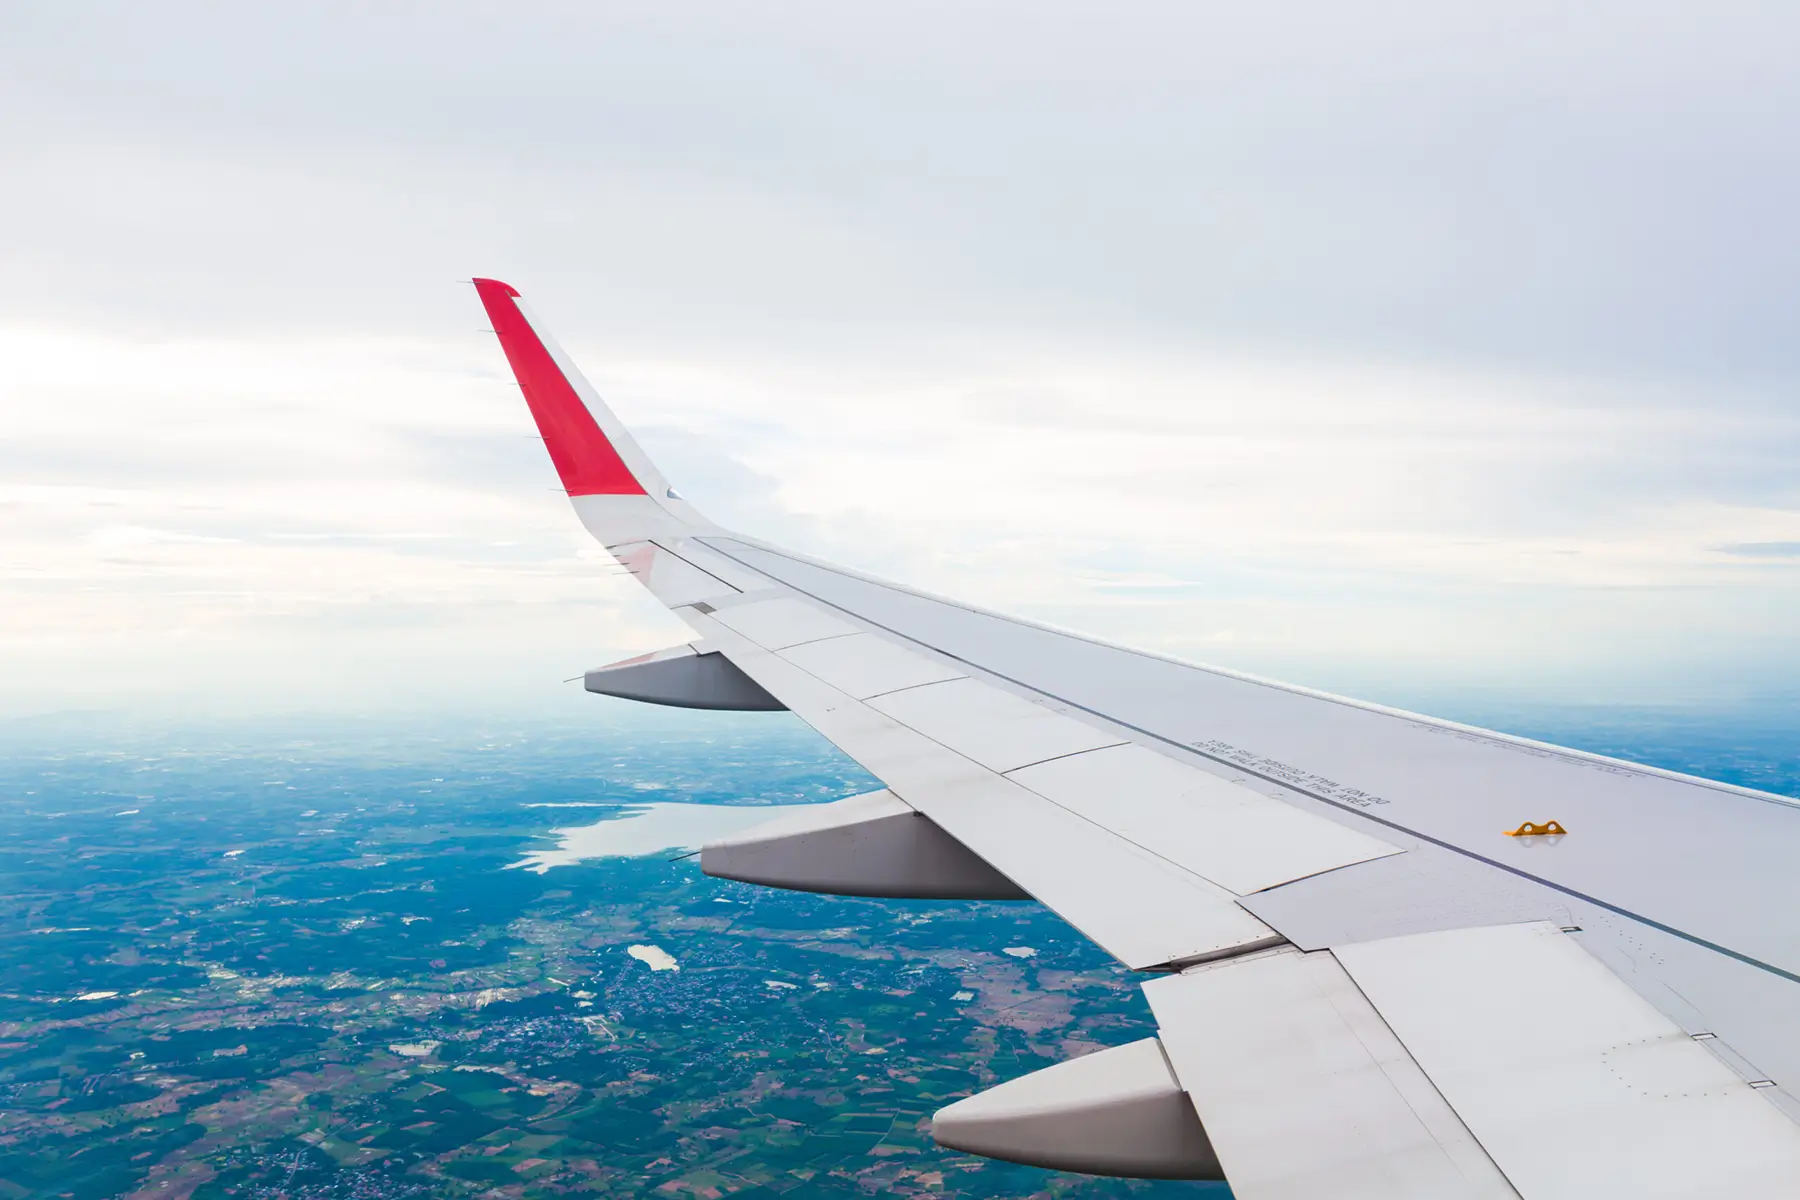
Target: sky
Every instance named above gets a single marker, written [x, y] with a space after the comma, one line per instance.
[1389, 348]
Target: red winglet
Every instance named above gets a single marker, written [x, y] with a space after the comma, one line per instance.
[585, 460]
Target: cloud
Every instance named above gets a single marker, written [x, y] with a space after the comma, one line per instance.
[358, 501]
[1762, 549]
[1405, 341]
[1529, 187]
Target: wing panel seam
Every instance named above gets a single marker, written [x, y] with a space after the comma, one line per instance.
[690, 562]
[1059, 757]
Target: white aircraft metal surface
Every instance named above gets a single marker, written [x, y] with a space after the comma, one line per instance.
[1304, 1090]
[1536, 1045]
[864, 666]
[997, 729]
[672, 579]
[1221, 830]
[1368, 988]
[783, 622]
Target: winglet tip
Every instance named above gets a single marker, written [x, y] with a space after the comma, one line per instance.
[484, 286]
[586, 460]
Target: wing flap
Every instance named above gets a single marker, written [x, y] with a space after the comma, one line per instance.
[1305, 1092]
[1573, 1083]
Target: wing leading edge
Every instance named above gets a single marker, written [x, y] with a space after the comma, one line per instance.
[1362, 987]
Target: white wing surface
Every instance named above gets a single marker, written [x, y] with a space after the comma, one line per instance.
[1365, 984]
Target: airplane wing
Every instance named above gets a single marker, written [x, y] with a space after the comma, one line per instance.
[1387, 955]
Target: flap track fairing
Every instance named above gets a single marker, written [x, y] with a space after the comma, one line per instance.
[683, 677]
[870, 845]
[1115, 1112]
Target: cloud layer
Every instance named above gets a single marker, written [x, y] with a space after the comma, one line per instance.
[1387, 348]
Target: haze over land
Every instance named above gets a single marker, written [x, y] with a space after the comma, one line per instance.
[1385, 347]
